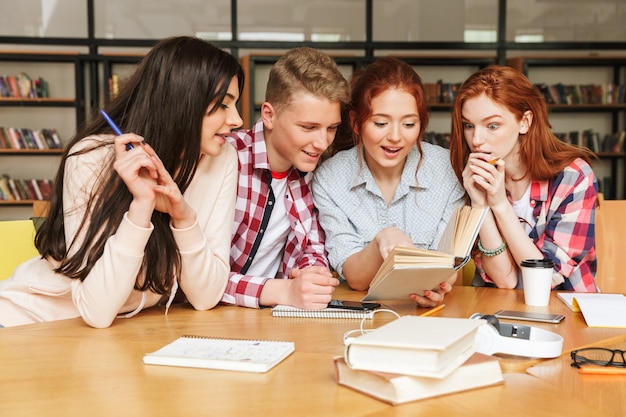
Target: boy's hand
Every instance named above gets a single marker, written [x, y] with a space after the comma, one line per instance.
[310, 288]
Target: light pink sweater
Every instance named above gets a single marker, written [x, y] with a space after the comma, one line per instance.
[34, 293]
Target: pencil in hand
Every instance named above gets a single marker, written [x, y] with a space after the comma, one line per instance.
[115, 128]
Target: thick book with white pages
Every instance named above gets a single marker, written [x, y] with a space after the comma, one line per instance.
[477, 372]
[226, 354]
[326, 313]
[414, 345]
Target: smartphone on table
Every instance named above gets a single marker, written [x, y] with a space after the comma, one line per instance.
[352, 305]
[528, 316]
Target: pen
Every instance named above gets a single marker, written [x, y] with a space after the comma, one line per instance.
[115, 128]
[601, 370]
[433, 310]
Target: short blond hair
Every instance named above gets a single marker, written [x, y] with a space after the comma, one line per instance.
[305, 69]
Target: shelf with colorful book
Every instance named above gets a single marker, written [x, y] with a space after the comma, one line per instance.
[586, 93]
[442, 76]
[440, 73]
[14, 191]
[42, 97]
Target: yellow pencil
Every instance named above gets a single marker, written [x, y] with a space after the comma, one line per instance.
[493, 161]
[433, 310]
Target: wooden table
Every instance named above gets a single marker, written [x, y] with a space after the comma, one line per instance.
[66, 368]
[604, 392]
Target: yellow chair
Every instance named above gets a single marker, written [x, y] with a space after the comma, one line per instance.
[16, 244]
[610, 233]
[465, 275]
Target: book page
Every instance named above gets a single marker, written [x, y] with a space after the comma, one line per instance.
[570, 298]
[405, 255]
[603, 312]
[461, 231]
[467, 228]
[446, 243]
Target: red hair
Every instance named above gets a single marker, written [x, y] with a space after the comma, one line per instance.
[543, 154]
[383, 74]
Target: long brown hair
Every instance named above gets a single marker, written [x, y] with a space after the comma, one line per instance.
[544, 155]
[165, 102]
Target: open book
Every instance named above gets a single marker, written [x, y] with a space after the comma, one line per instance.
[598, 309]
[410, 270]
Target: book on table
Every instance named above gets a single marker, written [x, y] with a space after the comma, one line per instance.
[325, 313]
[409, 270]
[598, 309]
[477, 372]
[414, 345]
[218, 353]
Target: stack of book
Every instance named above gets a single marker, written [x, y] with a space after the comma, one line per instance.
[413, 358]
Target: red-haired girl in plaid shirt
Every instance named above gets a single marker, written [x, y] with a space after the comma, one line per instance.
[541, 191]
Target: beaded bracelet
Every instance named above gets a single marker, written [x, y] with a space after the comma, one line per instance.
[491, 252]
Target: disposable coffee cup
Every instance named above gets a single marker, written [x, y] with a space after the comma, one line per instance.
[537, 281]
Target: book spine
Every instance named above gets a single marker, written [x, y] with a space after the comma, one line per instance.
[14, 190]
[4, 138]
[45, 186]
[5, 190]
[35, 189]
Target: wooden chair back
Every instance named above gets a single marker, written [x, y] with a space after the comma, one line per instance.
[610, 234]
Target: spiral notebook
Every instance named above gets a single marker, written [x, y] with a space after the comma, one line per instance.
[226, 354]
[328, 313]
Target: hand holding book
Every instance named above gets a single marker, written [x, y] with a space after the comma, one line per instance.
[409, 270]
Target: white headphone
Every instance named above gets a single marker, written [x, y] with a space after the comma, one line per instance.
[512, 339]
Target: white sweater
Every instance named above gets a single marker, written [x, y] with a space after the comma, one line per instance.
[35, 293]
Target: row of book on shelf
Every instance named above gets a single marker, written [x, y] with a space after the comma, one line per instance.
[589, 138]
[595, 141]
[446, 92]
[440, 92]
[24, 189]
[23, 86]
[23, 138]
[582, 93]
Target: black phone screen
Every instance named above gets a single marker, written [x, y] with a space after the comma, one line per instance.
[352, 305]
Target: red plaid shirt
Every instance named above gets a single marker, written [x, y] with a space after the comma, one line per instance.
[565, 210]
[305, 242]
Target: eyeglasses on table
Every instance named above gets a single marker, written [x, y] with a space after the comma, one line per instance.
[598, 356]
